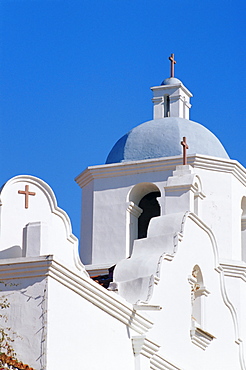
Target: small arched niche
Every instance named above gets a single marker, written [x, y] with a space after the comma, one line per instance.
[198, 194]
[196, 296]
[243, 229]
[199, 336]
[142, 206]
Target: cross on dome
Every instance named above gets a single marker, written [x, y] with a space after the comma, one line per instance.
[171, 58]
[185, 146]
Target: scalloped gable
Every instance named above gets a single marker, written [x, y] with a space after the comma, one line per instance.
[31, 223]
[136, 276]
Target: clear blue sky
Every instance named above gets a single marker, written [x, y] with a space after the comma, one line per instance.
[75, 76]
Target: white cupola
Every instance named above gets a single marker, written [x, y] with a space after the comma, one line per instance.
[171, 98]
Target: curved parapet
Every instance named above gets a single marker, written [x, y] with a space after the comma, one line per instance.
[160, 270]
[32, 224]
[164, 234]
[135, 275]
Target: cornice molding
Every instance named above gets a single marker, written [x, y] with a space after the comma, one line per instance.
[172, 87]
[201, 338]
[235, 269]
[142, 345]
[161, 164]
[47, 266]
[157, 362]
[157, 99]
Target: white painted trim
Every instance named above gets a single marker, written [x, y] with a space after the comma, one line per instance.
[108, 301]
[157, 362]
[100, 269]
[235, 269]
[224, 270]
[228, 303]
[162, 164]
[201, 338]
[209, 232]
[143, 346]
[157, 99]
[134, 209]
[175, 87]
[142, 306]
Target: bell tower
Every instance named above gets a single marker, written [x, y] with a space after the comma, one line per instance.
[171, 98]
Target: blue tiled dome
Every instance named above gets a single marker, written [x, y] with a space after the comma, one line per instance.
[162, 137]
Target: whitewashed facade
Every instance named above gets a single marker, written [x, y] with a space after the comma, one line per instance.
[178, 295]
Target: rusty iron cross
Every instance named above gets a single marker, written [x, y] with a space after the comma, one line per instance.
[185, 146]
[171, 58]
[27, 193]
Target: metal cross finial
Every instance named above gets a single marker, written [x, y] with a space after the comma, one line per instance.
[27, 193]
[185, 146]
[171, 58]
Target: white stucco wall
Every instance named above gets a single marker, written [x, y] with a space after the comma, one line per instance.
[107, 218]
[62, 318]
[173, 324]
[80, 335]
[222, 185]
[221, 210]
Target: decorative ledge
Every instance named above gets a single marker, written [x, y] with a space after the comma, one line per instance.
[145, 347]
[142, 345]
[201, 338]
[161, 164]
[81, 284]
[159, 363]
[146, 307]
[235, 269]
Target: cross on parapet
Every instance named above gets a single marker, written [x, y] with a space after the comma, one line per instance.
[185, 146]
[171, 58]
[27, 193]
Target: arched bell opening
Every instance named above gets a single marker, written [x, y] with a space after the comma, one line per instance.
[150, 208]
[142, 206]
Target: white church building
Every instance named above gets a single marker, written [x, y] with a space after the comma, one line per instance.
[159, 281]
